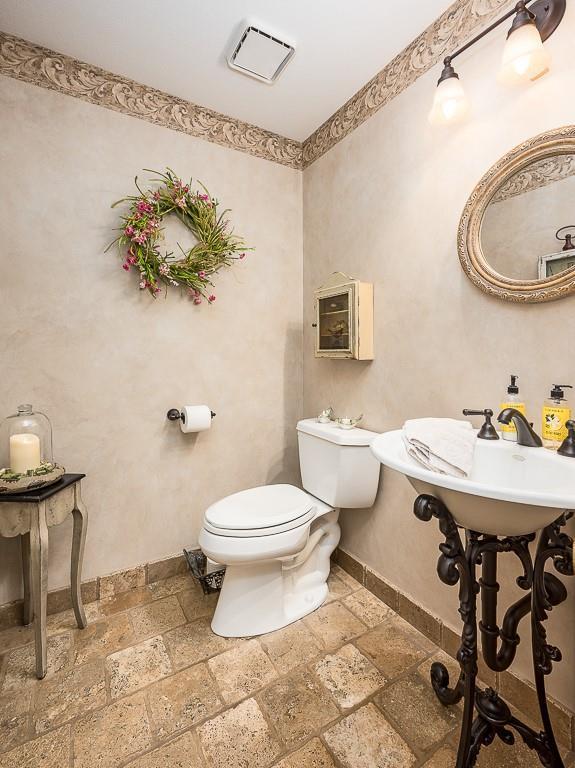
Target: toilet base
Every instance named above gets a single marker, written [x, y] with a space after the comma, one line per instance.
[257, 598]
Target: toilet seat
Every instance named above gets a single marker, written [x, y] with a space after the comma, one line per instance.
[262, 511]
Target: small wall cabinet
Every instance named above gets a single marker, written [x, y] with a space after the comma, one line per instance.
[344, 318]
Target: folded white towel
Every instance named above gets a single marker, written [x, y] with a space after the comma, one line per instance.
[441, 445]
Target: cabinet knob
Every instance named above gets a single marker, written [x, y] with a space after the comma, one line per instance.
[314, 325]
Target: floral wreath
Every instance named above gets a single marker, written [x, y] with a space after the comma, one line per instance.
[141, 232]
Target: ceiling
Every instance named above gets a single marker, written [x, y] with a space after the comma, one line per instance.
[180, 46]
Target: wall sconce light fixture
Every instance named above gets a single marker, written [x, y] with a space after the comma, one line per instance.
[568, 238]
[524, 56]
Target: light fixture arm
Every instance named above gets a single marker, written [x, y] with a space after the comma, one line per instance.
[547, 15]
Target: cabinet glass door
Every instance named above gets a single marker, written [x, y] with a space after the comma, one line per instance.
[334, 320]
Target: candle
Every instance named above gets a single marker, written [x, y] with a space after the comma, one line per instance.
[24, 452]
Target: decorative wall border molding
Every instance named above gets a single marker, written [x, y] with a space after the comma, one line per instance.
[541, 174]
[35, 64]
[447, 33]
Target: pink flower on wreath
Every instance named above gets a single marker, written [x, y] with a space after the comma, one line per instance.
[197, 299]
[151, 226]
[180, 202]
[140, 238]
[242, 255]
[143, 284]
[205, 198]
[211, 298]
[143, 206]
[157, 195]
[126, 266]
[156, 290]
[131, 260]
[129, 230]
[202, 275]
[164, 269]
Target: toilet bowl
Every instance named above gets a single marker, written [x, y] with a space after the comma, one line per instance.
[276, 540]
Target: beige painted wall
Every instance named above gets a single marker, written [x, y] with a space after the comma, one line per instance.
[383, 206]
[78, 340]
[520, 229]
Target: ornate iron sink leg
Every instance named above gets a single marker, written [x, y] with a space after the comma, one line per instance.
[485, 714]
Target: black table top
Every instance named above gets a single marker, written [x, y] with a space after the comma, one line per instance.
[41, 494]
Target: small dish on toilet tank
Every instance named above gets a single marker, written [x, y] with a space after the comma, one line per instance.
[346, 422]
[326, 416]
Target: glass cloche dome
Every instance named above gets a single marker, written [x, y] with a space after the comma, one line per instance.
[25, 441]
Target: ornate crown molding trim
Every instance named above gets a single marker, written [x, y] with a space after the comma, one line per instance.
[35, 64]
[449, 31]
[541, 174]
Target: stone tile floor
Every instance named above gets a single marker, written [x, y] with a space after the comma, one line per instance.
[148, 685]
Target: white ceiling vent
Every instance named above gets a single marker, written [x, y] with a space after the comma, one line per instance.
[260, 54]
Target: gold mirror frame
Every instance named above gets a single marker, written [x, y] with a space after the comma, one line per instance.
[560, 141]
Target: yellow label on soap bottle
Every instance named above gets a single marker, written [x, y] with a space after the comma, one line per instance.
[510, 428]
[553, 427]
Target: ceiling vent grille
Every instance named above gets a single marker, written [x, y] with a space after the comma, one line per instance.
[260, 55]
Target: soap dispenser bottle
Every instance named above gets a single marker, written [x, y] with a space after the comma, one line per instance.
[556, 412]
[511, 400]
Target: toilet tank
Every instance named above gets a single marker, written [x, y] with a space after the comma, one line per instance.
[337, 465]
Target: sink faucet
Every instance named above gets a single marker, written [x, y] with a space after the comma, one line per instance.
[525, 434]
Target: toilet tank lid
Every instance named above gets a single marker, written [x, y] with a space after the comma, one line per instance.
[335, 434]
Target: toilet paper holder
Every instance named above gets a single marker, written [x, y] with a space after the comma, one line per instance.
[175, 415]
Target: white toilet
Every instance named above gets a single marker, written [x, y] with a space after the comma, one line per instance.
[276, 540]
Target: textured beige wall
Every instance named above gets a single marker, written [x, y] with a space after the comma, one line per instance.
[383, 206]
[517, 231]
[78, 340]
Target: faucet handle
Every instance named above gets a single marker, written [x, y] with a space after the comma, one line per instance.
[567, 447]
[487, 431]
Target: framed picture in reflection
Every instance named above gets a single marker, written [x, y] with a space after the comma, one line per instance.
[554, 263]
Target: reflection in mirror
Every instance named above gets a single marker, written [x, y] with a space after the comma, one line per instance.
[519, 232]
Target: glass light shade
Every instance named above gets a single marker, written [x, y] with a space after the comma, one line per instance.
[25, 440]
[524, 56]
[449, 103]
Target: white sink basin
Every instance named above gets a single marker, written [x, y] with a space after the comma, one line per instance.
[511, 490]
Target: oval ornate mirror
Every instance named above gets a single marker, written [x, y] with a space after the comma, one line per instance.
[516, 237]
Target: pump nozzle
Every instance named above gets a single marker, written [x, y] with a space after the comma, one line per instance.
[513, 389]
[557, 391]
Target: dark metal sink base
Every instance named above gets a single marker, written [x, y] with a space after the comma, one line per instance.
[485, 714]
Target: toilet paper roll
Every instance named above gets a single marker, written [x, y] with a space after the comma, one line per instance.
[195, 418]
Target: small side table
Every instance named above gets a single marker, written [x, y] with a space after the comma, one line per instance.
[29, 515]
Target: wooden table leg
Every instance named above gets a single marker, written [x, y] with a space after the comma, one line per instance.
[39, 568]
[80, 514]
[28, 607]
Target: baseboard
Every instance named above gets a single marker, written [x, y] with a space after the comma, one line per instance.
[12, 614]
[519, 693]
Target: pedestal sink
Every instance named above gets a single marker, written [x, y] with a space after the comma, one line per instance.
[511, 493]
[511, 490]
